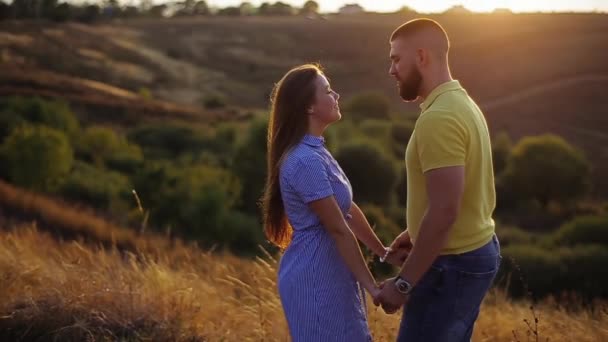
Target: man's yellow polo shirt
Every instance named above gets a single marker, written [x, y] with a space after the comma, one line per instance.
[452, 131]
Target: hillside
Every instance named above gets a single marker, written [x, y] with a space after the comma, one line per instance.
[72, 292]
[531, 73]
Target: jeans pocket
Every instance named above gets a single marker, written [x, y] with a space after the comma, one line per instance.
[432, 279]
[471, 289]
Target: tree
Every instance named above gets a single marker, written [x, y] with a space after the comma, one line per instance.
[157, 11]
[501, 149]
[400, 134]
[89, 14]
[17, 111]
[102, 145]
[36, 157]
[368, 106]
[278, 8]
[192, 199]
[371, 173]
[250, 165]
[96, 187]
[310, 7]
[230, 11]
[5, 11]
[246, 8]
[168, 140]
[546, 168]
[201, 8]
[264, 8]
[63, 12]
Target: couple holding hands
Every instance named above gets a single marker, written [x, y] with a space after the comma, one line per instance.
[448, 255]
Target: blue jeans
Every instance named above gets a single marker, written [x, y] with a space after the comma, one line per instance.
[445, 303]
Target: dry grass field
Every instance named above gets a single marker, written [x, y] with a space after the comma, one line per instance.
[70, 291]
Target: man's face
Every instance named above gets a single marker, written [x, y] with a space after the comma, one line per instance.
[405, 70]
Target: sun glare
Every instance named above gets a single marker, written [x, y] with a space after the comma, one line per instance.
[428, 6]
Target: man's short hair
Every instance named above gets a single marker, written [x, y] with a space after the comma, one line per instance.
[418, 25]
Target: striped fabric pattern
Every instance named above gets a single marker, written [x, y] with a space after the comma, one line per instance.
[321, 299]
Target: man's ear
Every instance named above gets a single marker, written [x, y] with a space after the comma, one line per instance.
[422, 57]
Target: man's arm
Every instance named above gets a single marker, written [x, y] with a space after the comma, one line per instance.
[445, 187]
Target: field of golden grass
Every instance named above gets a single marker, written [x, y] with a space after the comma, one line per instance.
[70, 291]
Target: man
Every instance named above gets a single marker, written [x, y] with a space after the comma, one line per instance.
[454, 253]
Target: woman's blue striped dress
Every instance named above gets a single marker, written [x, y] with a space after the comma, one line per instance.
[321, 298]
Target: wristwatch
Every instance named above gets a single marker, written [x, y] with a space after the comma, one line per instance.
[403, 285]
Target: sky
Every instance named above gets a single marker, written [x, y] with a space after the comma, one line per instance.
[427, 6]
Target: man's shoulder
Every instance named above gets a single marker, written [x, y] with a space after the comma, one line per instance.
[457, 105]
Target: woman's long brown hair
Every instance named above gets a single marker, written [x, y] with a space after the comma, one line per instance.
[288, 124]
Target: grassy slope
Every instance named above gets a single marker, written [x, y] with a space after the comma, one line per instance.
[71, 292]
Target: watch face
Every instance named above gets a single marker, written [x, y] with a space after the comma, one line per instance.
[403, 286]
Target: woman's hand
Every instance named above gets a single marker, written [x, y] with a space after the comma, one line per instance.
[375, 293]
[396, 257]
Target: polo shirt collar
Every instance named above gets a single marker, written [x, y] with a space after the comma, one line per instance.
[440, 89]
[313, 140]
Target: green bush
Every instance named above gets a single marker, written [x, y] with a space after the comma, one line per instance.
[401, 187]
[546, 168]
[372, 174]
[379, 130]
[242, 233]
[103, 147]
[501, 150]
[36, 157]
[583, 230]
[250, 166]
[18, 111]
[400, 134]
[341, 133]
[191, 199]
[168, 140]
[100, 188]
[370, 105]
[555, 271]
[214, 101]
[386, 230]
[512, 236]
[530, 269]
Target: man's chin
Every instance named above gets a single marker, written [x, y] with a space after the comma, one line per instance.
[409, 98]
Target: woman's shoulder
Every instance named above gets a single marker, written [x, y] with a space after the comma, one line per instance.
[300, 155]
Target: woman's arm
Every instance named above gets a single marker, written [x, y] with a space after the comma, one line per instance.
[364, 232]
[333, 221]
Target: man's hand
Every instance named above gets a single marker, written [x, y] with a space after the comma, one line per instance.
[402, 241]
[390, 299]
[400, 249]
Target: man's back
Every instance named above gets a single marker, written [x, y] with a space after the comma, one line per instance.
[452, 131]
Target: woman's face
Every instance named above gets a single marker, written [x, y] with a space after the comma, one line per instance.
[325, 109]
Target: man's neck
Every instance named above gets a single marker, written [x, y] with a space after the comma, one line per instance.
[434, 82]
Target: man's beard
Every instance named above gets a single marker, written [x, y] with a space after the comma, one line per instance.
[409, 88]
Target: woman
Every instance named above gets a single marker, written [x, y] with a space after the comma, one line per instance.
[308, 210]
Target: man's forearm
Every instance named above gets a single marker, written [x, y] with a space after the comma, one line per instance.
[431, 239]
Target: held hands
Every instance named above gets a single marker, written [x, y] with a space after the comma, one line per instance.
[388, 297]
[386, 294]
